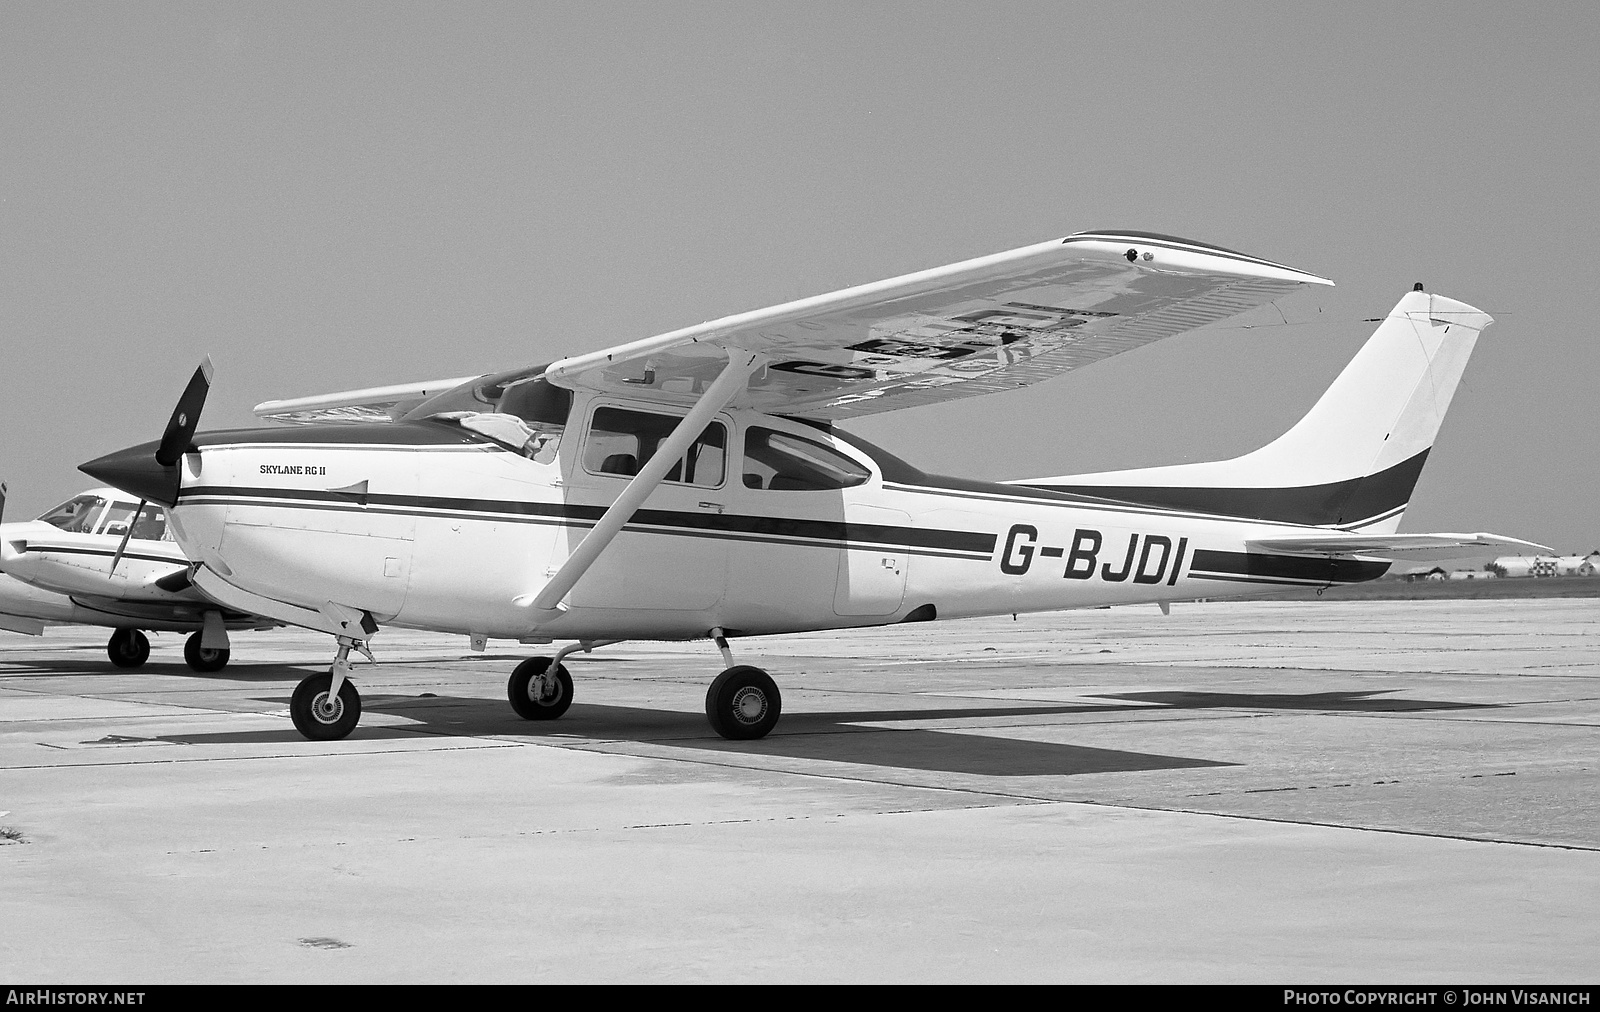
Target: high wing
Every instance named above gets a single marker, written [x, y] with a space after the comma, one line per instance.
[374, 404]
[1418, 547]
[980, 326]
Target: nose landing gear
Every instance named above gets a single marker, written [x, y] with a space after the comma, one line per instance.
[328, 707]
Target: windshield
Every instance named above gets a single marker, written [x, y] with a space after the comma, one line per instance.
[77, 515]
[524, 413]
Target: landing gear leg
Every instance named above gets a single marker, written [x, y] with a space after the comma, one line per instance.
[743, 703]
[328, 707]
[128, 648]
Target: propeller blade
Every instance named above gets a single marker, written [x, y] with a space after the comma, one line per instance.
[2, 501]
[125, 536]
[185, 417]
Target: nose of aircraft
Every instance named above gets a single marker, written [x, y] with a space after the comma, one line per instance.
[9, 547]
[14, 539]
[137, 471]
[150, 470]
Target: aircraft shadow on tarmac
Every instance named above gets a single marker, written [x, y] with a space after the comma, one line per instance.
[56, 667]
[839, 736]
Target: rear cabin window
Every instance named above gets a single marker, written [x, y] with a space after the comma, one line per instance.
[780, 461]
[621, 441]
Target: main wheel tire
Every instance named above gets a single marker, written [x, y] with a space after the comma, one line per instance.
[520, 691]
[201, 659]
[319, 718]
[743, 703]
[128, 648]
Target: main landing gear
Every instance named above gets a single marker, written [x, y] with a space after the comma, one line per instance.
[128, 648]
[540, 688]
[202, 659]
[743, 702]
[328, 707]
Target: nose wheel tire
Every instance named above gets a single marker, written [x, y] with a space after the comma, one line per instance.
[201, 659]
[321, 717]
[743, 703]
[128, 648]
[526, 698]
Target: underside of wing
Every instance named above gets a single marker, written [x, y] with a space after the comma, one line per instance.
[374, 404]
[1415, 547]
[981, 326]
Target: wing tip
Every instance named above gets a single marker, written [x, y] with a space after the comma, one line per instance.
[1152, 242]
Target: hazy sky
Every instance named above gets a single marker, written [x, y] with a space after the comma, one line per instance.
[324, 196]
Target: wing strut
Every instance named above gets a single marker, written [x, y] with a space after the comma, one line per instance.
[728, 384]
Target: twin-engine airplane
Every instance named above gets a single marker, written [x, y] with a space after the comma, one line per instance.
[102, 558]
[694, 485]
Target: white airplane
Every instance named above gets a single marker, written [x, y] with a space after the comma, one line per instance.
[103, 558]
[693, 485]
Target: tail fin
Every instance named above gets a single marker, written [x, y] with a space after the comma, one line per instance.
[1353, 460]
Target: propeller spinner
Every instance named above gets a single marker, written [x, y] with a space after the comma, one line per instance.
[150, 470]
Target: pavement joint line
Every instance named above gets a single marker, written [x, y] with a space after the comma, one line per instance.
[492, 743]
[1389, 831]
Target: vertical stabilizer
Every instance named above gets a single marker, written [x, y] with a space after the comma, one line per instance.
[1354, 458]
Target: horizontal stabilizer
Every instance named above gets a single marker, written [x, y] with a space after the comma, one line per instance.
[374, 404]
[25, 626]
[1420, 547]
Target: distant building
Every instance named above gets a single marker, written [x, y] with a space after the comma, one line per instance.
[1546, 565]
[1578, 565]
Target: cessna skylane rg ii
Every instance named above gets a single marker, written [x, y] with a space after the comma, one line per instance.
[102, 558]
[694, 485]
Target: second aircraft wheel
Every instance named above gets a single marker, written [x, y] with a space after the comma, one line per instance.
[128, 648]
[201, 659]
[548, 706]
[319, 717]
[743, 703]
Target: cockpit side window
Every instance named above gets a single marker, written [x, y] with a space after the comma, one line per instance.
[77, 515]
[621, 441]
[149, 525]
[116, 517]
[780, 461]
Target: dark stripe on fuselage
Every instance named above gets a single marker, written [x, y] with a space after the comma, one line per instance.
[1331, 504]
[966, 542]
[1259, 567]
[102, 552]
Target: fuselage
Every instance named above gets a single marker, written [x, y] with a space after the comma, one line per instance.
[768, 525]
